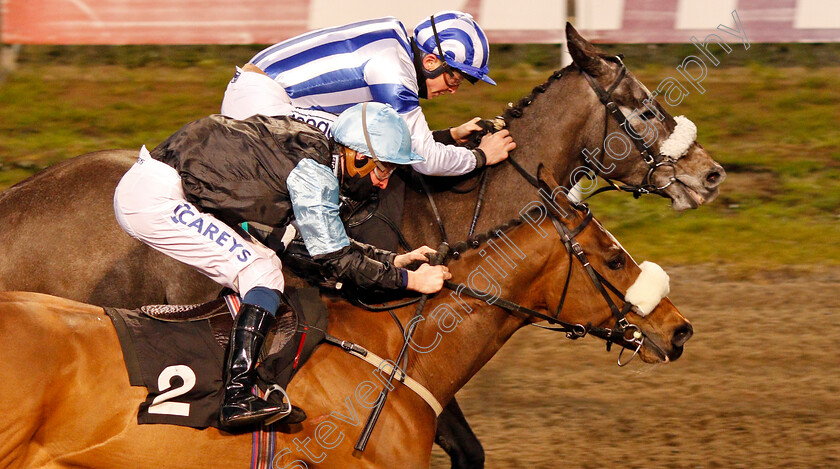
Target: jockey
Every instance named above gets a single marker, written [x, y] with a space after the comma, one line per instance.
[185, 197]
[315, 76]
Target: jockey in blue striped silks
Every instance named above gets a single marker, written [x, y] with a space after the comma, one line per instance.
[315, 76]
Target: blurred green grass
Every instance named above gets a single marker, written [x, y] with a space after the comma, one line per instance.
[769, 116]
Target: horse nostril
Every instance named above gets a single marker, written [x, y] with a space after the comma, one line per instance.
[682, 334]
[715, 177]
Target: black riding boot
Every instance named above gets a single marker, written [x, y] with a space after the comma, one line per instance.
[242, 407]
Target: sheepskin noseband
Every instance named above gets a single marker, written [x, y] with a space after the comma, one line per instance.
[650, 287]
[680, 140]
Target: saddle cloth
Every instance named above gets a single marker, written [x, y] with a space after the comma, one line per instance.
[178, 353]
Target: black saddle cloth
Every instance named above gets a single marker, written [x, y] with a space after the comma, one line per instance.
[178, 353]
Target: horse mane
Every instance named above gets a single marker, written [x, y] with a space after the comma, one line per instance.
[514, 111]
[493, 233]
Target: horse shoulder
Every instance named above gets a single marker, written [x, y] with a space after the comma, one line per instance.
[80, 409]
[66, 357]
[341, 389]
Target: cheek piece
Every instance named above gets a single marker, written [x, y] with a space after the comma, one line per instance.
[680, 140]
[650, 287]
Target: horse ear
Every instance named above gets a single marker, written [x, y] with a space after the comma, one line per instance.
[584, 54]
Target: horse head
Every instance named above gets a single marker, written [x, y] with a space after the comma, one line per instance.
[588, 284]
[636, 140]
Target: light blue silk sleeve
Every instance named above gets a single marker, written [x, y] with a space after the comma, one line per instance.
[313, 190]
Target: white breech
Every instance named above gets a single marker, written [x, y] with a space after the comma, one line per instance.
[149, 204]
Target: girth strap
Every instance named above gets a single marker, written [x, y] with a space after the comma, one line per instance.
[386, 366]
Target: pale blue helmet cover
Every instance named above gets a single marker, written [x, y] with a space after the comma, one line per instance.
[388, 133]
[464, 44]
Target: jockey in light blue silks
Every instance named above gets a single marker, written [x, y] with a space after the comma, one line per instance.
[185, 197]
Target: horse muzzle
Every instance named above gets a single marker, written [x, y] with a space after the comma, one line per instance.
[696, 180]
[656, 348]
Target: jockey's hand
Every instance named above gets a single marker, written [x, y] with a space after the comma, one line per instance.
[418, 254]
[496, 146]
[464, 130]
[428, 278]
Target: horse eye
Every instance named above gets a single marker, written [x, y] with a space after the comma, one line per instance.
[648, 114]
[617, 262]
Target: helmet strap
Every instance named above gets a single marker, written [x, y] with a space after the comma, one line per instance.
[437, 39]
[373, 156]
[372, 161]
[443, 66]
[431, 74]
[420, 71]
[365, 130]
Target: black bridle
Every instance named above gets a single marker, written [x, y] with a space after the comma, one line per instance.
[654, 161]
[617, 334]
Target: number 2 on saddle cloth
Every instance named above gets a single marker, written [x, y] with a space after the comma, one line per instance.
[185, 381]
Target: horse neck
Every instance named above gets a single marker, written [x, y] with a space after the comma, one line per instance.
[484, 328]
[558, 125]
[553, 130]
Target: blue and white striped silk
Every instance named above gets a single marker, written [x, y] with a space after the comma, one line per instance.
[464, 44]
[332, 69]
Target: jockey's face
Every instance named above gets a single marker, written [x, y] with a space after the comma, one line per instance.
[445, 83]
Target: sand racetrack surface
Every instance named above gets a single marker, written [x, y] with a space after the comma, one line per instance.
[757, 387]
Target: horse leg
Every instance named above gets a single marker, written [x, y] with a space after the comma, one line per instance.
[456, 437]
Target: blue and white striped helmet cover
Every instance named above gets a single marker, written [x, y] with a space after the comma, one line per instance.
[464, 44]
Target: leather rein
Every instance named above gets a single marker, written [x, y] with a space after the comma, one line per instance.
[647, 186]
[624, 333]
[617, 334]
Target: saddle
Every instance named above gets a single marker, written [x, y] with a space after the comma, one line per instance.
[178, 353]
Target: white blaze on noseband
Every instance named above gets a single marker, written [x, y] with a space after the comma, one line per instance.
[650, 287]
[680, 140]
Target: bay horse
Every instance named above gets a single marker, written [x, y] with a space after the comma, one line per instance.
[65, 400]
[58, 234]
